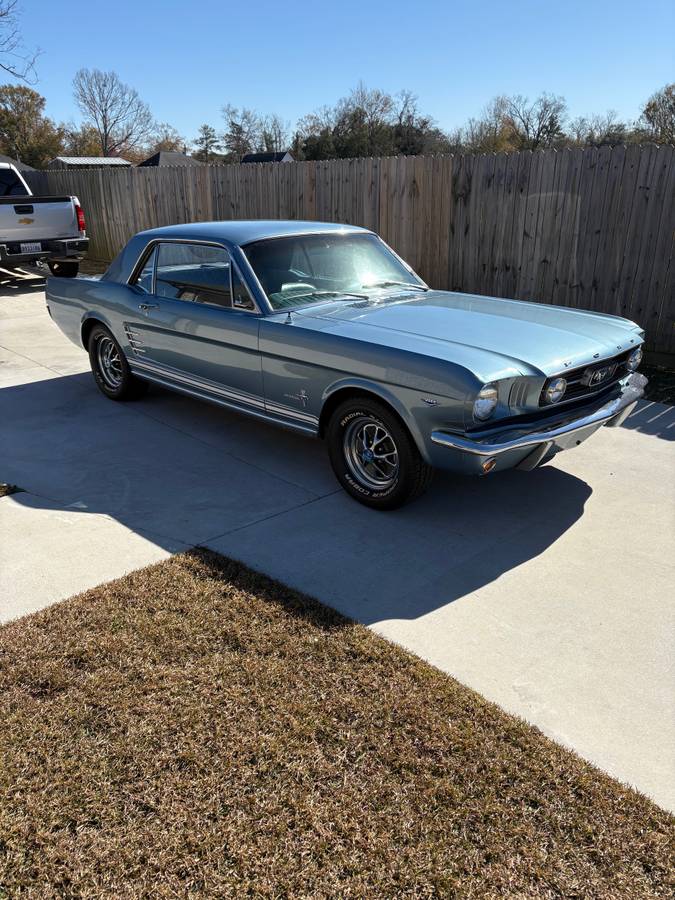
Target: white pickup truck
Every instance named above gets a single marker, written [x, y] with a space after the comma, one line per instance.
[39, 229]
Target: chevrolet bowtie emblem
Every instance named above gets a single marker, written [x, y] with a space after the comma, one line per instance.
[26, 221]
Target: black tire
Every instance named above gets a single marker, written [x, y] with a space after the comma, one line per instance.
[110, 368]
[64, 268]
[397, 476]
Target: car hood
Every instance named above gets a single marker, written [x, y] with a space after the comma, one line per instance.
[530, 336]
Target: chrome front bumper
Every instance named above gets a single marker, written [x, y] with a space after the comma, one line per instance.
[544, 442]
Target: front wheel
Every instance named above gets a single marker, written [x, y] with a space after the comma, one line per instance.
[110, 367]
[373, 455]
[64, 268]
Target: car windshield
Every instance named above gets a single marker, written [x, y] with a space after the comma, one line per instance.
[301, 269]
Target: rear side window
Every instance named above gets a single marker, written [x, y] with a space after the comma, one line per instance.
[10, 186]
[193, 272]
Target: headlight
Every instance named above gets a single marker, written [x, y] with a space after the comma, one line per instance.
[634, 359]
[486, 402]
[555, 390]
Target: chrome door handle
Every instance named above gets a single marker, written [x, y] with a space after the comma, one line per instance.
[147, 306]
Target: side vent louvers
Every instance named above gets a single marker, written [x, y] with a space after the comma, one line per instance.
[135, 341]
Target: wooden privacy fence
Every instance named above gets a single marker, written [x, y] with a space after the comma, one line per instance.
[590, 228]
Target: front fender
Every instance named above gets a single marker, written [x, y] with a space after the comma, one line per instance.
[385, 393]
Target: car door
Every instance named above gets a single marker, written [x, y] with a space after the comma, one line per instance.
[195, 323]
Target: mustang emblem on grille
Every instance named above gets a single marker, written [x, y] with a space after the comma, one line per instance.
[594, 377]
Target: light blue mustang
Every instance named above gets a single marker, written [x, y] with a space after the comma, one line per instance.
[322, 328]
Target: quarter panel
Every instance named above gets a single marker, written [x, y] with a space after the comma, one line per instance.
[71, 301]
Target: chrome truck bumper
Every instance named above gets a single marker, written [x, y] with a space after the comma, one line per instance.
[527, 449]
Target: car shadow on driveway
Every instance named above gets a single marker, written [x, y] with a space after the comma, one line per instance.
[182, 473]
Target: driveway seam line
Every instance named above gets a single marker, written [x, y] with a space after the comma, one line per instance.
[30, 359]
[267, 518]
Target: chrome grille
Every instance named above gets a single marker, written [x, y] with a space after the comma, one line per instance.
[580, 381]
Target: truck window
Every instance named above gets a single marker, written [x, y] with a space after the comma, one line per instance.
[10, 185]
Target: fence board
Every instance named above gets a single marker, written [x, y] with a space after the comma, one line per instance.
[588, 228]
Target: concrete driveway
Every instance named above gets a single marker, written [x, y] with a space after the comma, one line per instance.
[548, 592]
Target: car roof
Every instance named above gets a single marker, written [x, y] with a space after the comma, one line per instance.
[245, 231]
[236, 233]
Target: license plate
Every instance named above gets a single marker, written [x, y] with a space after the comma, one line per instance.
[31, 247]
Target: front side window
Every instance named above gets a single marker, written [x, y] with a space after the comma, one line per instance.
[300, 269]
[194, 272]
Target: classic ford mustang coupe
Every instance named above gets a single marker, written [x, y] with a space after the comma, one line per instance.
[324, 329]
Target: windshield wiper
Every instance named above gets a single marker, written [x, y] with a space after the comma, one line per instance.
[408, 284]
[333, 294]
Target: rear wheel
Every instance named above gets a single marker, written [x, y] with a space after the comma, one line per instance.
[374, 456]
[64, 268]
[110, 367]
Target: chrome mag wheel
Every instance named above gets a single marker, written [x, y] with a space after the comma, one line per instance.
[371, 453]
[109, 362]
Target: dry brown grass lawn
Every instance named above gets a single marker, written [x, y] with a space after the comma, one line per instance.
[196, 730]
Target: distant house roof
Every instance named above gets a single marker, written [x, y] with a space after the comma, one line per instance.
[61, 162]
[285, 156]
[22, 167]
[170, 158]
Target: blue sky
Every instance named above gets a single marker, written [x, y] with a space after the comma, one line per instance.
[188, 59]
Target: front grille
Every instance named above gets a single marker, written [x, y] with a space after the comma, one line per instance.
[580, 383]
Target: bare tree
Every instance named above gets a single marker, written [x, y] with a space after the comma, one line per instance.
[416, 133]
[363, 122]
[14, 58]
[242, 131]
[658, 115]
[121, 119]
[274, 133]
[535, 125]
[598, 130]
[489, 133]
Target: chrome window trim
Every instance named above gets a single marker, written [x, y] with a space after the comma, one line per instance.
[233, 266]
[151, 245]
[145, 255]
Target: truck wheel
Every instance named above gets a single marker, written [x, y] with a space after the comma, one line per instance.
[374, 456]
[110, 367]
[64, 268]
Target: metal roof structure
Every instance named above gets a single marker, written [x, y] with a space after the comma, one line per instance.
[59, 161]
